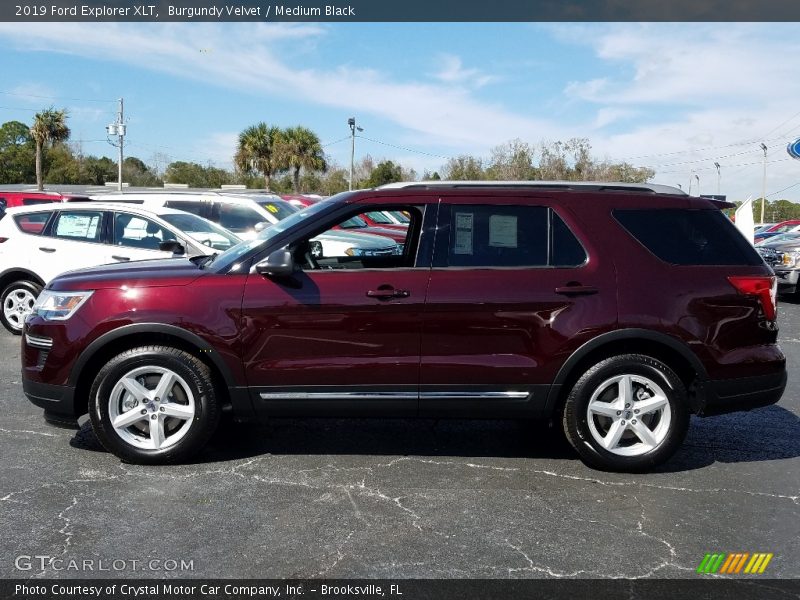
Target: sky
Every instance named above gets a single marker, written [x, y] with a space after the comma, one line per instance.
[673, 97]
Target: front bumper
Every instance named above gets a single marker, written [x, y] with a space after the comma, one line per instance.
[58, 402]
[744, 393]
[787, 280]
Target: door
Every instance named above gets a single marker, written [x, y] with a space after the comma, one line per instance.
[342, 335]
[513, 290]
[74, 240]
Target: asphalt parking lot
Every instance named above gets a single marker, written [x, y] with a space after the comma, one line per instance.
[359, 498]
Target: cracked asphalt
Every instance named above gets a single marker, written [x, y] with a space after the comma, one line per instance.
[401, 498]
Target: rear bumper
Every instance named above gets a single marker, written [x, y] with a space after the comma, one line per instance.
[744, 393]
[58, 402]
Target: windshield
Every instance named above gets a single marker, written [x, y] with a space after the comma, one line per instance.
[278, 208]
[782, 237]
[380, 217]
[228, 258]
[353, 223]
[400, 216]
[203, 231]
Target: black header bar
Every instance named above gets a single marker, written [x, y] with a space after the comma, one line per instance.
[401, 10]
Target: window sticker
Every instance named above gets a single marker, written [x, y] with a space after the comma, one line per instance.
[503, 231]
[83, 226]
[463, 241]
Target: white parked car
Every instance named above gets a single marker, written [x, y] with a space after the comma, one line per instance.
[39, 242]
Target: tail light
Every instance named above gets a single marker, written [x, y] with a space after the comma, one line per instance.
[764, 287]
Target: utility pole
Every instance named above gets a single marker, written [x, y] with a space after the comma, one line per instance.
[352, 122]
[696, 176]
[118, 129]
[764, 184]
[719, 177]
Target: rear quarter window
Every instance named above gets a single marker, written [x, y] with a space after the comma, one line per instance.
[689, 236]
[32, 223]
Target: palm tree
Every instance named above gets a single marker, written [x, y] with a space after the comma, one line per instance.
[49, 127]
[300, 148]
[255, 151]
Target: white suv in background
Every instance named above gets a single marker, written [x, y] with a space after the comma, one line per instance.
[39, 242]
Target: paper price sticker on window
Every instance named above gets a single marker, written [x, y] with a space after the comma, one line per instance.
[463, 239]
[503, 231]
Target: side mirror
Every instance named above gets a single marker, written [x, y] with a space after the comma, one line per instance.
[259, 227]
[278, 264]
[173, 246]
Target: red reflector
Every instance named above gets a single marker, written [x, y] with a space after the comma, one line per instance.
[765, 288]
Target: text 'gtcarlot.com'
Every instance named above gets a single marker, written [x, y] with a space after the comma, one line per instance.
[26, 562]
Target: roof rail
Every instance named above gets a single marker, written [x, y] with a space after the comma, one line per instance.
[596, 186]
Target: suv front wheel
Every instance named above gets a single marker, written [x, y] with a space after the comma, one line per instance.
[154, 404]
[626, 413]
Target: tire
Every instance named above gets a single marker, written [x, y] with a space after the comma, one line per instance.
[17, 301]
[611, 436]
[165, 431]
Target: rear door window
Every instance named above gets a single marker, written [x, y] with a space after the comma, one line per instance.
[81, 226]
[689, 237]
[510, 236]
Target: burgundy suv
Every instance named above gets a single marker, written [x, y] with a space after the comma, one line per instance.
[616, 309]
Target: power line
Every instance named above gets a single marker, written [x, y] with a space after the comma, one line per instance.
[347, 137]
[54, 97]
[402, 148]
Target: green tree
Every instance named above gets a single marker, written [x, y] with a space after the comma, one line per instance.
[17, 151]
[464, 168]
[512, 161]
[299, 148]
[49, 127]
[96, 171]
[138, 174]
[61, 166]
[196, 175]
[384, 172]
[255, 151]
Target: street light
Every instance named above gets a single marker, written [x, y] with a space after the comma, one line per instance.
[696, 176]
[719, 177]
[352, 123]
[764, 184]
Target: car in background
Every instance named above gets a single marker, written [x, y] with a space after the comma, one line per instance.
[777, 228]
[782, 253]
[385, 219]
[248, 214]
[10, 199]
[301, 200]
[38, 243]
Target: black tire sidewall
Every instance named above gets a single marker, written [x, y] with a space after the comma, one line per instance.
[576, 419]
[187, 367]
[24, 284]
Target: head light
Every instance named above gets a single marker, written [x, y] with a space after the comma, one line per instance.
[59, 306]
[791, 259]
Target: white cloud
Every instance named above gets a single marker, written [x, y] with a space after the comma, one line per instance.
[452, 71]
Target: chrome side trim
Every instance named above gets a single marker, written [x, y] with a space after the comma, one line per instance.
[339, 396]
[452, 395]
[44, 343]
[473, 395]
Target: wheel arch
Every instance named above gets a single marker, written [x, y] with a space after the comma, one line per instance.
[669, 350]
[126, 337]
[17, 273]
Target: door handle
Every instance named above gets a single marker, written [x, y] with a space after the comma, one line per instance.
[387, 292]
[120, 257]
[576, 290]
[48, 250]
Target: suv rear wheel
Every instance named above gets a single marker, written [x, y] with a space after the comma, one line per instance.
[18, 299]
[626, 413]
[154, 404]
